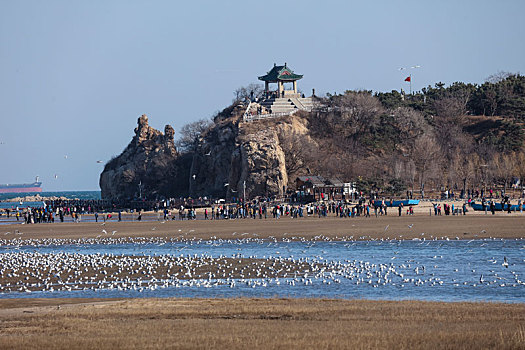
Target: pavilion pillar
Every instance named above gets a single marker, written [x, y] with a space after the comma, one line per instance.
[266, 86]
[295, 86]
[281, 88]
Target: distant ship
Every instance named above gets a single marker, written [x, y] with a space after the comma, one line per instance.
[35, 187]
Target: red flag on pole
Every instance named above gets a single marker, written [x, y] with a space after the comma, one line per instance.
[407, 79]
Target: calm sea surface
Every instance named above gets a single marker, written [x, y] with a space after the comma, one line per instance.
[431, 270]
[67, 194]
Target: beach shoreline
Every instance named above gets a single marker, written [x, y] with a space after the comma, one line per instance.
[389, 227]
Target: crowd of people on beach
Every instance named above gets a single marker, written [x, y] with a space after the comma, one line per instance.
[186, 209]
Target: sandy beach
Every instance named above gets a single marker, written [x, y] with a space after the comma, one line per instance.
[418, 226]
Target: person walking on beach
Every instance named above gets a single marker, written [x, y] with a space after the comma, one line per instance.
[96, 216]
[400, 208]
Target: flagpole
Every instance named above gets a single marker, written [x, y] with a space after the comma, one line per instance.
[410, 84]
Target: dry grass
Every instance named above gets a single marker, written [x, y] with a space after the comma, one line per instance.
[262, 323]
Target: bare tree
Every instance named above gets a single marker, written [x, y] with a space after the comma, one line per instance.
[520, 167]
[497, 77]
[410, 125]
[425, 155]
[189, 134]
[503, 166]
[248, 92]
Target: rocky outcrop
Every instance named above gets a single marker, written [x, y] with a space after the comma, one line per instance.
[230, 158]
[234, 158]
[145, 168]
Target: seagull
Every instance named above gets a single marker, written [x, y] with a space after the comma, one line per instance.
[505, 263]
[481, 280]
[56, 176]
[416, 66]
[99, 161]
[401, 68]
[208, 154]
[226, 184]
[105, 232]
[410, 226]
[65, 157]
[194, 176]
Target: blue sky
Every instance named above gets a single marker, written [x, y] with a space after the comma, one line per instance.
[75, 75]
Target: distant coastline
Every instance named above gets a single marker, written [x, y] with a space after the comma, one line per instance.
[10, 200]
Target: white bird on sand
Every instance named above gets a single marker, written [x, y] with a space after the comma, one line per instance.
[105, 232]
[410, 226]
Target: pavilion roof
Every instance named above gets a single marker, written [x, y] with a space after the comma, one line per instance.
[280, 73]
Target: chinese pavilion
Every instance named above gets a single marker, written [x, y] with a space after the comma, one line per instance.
[281, 75]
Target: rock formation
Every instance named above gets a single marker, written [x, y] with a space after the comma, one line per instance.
[233, 157]
[146, 167]
[230, 158]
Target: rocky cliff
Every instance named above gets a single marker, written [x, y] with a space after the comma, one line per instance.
[146, 167]
[233, 157]
[230, 158]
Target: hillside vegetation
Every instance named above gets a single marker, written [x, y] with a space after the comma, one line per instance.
[441, 137]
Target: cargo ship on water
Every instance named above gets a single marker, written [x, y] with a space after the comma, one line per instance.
[35, 187]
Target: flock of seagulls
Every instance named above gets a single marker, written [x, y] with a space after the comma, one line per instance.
[49, 265]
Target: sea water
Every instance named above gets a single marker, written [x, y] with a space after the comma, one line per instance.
[457, 265]
[85, 195]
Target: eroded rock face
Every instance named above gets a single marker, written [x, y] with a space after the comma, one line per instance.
[230, 158]
[146, 167]
[234, 157]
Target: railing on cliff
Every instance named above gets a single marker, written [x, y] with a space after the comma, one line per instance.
[247, 111]
[250, 118]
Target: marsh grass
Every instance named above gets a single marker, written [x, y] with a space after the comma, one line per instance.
[264, 323]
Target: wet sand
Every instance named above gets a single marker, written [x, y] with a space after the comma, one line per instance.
[383, 227]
